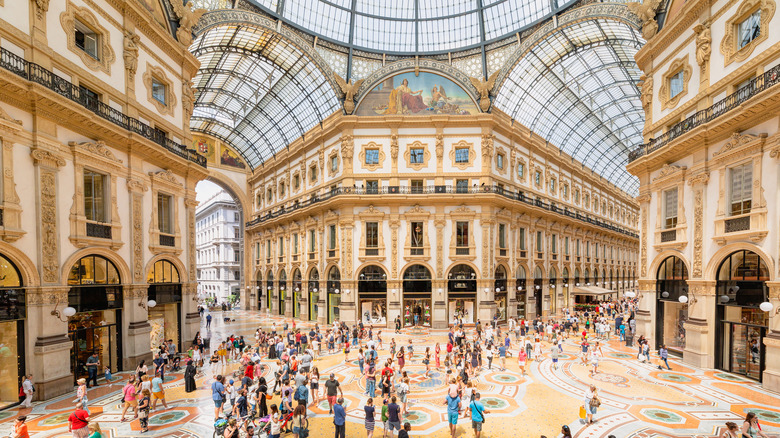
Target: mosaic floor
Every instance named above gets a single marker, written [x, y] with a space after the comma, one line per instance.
[638, 400]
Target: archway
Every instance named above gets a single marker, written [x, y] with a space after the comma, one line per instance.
[741, 324]
[372, 295]
[165, 290]
[417, 296]
[297, 285]
[670, 314]
[219, 237]
[96, 294]
[521, 287]
[12, 315]
[462, 293]
[499, 283]
[334, 291]
[282, 288]
[314, 293]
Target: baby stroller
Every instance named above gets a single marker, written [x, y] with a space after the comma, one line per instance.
[219, 427]
[176, 363]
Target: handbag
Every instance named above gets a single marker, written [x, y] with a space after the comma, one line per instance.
[595, 402]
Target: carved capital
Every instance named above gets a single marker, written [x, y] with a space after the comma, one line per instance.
[699, 178]
[138, 186]
[97, 148]
[43, 157]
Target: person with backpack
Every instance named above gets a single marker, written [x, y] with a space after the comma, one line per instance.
[302, 392]
[478, 412]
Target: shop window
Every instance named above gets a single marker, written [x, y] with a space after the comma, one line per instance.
[165, 213]
[95, 188]
[670, 208]
[462, 186]
[741, 189]
[749, 29]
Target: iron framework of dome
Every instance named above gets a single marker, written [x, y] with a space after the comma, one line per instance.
[263, 85]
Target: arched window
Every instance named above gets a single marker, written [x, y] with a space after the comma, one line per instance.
[742, 278]
[95, 285]
[12, 296]
[163, 271]
[164, 282]
[372, 279]
[462, 278]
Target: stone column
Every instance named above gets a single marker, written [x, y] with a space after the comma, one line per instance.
[189, 312]
[700, 328]
[304, 301]
[439, 316]
[645, 313]
[136, 328]
[50, 361]
[771, 377]
[288, 299]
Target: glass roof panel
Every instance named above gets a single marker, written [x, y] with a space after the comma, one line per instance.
[577, 89]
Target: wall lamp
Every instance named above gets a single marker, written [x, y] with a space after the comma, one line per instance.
[691, 301]
[147, 305]
[66, 312]
[767, 307]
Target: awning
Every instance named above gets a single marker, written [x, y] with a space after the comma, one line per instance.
[592, 291]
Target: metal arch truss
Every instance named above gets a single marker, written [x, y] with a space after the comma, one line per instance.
[257, 90]
[575, 86]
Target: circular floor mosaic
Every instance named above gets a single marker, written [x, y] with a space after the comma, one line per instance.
[56, 419]
[610, 378]
[620, 355]
[764, 415]
[417, 417]
[167, 417]
[727, 376]
[494, 403]
[663, 416]
[506, 378]
[674, 377]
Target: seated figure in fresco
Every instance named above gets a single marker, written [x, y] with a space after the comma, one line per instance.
[403, 99]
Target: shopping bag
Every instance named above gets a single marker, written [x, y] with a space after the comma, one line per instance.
[582, 412]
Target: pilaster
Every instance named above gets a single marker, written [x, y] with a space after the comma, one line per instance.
[50, 358]
[700, 326]
[771, 377]
[136, 328]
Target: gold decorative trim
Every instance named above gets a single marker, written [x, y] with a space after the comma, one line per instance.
[362, 156]
[334, 153]
[667, 170]
[106, 55]
[408, 155]
[680, 64]
[153, 72]
[472, 154]
[728, 46]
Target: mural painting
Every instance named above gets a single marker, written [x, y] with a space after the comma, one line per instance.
[423, 95]
[231, 159]
[205, 147]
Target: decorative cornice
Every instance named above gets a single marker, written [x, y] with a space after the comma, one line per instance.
[98, 148]
[699, 178]
[736, 140]
[165, 175]
[135, 185]
[669, 169]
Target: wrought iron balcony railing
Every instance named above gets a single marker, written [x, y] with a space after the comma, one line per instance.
[753, 88]
[35, 73]
[439, 190]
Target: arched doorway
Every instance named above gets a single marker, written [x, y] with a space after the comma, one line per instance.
[501, 296]
[314, 294]
[586, 277]
[12, 315]
[553, 298]
[417, 296]
[372, 295]
[741, 324]
[282, 292]
[297, 284]
[521, 287]
[565, 290]
[538, 282]
[334, 291]
[269, 290]
[670, 314]
[165, 290]
[462, 293]
[259, 284]
[96, 294]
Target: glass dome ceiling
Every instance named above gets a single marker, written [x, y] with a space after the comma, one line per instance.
[412, 26]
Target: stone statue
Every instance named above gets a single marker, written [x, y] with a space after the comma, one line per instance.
[646, 11]
[703, 43]
[187, 20]
[131, 52]
[646, 96]
[349, 90]
[484, 88]
[187, 98]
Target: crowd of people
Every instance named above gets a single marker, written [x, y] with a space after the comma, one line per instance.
[281, 362]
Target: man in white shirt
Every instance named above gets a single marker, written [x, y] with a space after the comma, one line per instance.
[28, 389]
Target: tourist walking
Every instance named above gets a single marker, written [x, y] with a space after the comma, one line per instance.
[592, 402]
[453, 408]
[521, 359]
[81, 393]
[29, 390]
[664, 353]
[478, 412]
[218, 395]
[332, 388]
[129, 391]
[298, 420]
[403, 392]
[339, 419]
[158, 392]
[189, 377]
[750, 427]
[370, 411]
[393, 416]
[143, 409]
[314, 385]
[78, 421]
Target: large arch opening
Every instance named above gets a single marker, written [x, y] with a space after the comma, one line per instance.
[372, 294]
[462, 294]
[165, 290]
[499, 283]
[741, 323]
[12, 315]
[334, 294]
[314, 294]
[671, 314]
[417, 296]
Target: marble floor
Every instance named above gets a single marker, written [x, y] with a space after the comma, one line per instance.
[639, 400]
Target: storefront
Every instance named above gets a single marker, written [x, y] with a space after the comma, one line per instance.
[269, 290]
[537, 292]
[521, 287]
[565, 289]
[314, 294]
[372, 295]
[417, 296]
[499, 283]
[670, 314]
[296, 295]
[165, 316]
[282, 291]
[334, 294]
[96, 294]
[742, 325]
[13, 311]
[462, 294]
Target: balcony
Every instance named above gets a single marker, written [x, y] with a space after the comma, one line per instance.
[730, 102]
[39, 75]
[445, 190]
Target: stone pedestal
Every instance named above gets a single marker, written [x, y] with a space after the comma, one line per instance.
[700, 328]
[274, 305]
[322, 309]
[288, 310]
[50, 359]
[304, 303]
[771, 377]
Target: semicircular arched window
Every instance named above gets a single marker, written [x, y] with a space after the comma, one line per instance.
[93, 270]
[95, 285]
[163, 271]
